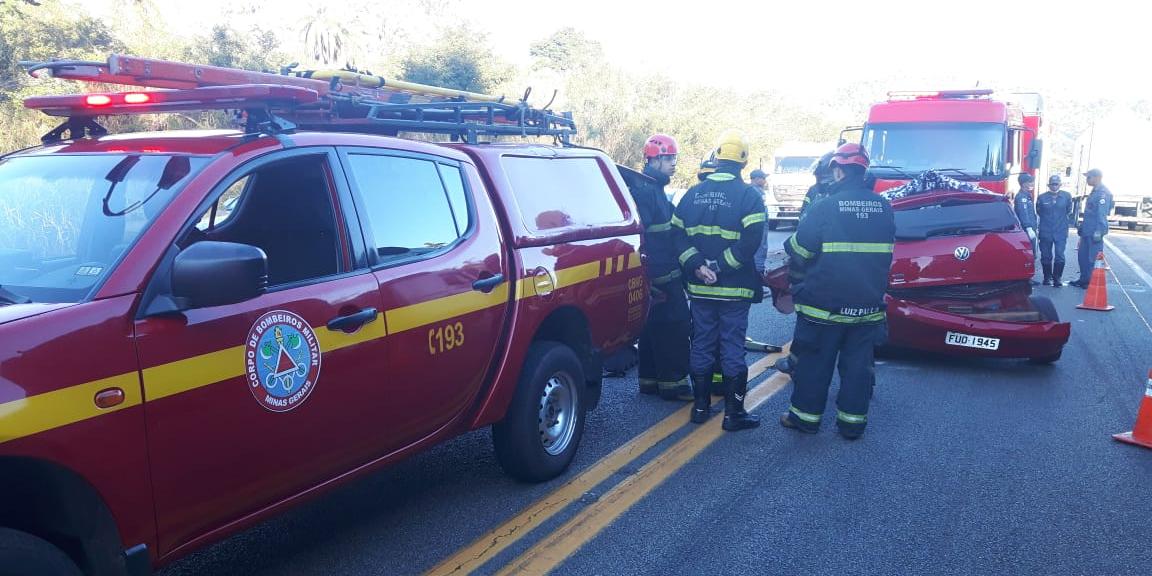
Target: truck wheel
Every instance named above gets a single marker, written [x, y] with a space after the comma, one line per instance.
[1047, 311]
[22, 554]
[539, 435]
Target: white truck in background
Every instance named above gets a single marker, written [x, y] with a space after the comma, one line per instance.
[1115, 144]
[789, 178]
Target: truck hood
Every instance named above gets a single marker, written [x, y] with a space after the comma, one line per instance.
[12, 312]
[966, 259]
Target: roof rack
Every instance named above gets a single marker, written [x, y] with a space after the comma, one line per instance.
[344, 100]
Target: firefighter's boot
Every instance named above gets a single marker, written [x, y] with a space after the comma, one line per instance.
[702, 399]
[735, 418]
[1047, 273]
[1057, 271]
[679, 390]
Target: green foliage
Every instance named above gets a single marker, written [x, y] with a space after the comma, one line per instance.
[459, 59]
[566, 49]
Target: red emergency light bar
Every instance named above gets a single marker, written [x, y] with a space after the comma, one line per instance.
[210, 98]
[940, 94]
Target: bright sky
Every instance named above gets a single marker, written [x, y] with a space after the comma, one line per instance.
[807, 46]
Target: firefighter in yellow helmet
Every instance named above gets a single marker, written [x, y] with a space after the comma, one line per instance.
[718, 225]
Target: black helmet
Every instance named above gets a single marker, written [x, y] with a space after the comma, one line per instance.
[823, 166]
[1054, 179]
[1025, 178]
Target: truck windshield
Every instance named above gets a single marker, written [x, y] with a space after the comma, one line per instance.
[794, 164]
[974, 150]
[65, 220]
[954, 218]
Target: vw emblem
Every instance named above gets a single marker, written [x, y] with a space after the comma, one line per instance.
[962, 253]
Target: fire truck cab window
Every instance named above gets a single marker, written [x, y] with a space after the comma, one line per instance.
[284, 208]
[405, 205]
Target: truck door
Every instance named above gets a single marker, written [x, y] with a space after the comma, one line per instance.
[251, 403]
[443, 278]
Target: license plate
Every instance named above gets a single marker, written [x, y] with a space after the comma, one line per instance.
[970, 341]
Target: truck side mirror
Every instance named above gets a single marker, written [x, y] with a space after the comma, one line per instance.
[211, 273]
[1035, 154]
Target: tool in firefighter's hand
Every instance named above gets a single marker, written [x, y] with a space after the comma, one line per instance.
[757, 346]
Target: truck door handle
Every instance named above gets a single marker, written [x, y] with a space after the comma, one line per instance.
[352, 321]
[486, 285]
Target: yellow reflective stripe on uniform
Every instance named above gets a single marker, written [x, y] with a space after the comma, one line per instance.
[810, 418]
[713, 231]
[861, 247]
[667, 277]
[838, 318]
[851, 418]
[800, 250]
[754, 218]
[721, 177]
[731, 259]
[677, 222]
[719, 291]
[659, 227]
[687, 254]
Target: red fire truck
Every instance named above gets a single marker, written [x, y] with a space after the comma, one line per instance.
[964, 134]
[200, 328]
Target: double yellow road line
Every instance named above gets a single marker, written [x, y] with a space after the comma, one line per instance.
[557, 546]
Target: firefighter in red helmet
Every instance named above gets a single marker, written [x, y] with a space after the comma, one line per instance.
[663, 345]
[839, 261]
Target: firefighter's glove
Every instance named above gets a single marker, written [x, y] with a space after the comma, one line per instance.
[1031, 233]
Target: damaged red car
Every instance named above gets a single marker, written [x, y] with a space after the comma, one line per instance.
[959, 282]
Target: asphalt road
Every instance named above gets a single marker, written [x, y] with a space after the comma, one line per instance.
[968, 467]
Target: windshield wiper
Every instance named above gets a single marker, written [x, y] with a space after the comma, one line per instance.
[956, 171]
[9, 297]
[897, 169]
[958, 231]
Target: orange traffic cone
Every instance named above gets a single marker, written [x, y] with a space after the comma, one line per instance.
[1141, 434]
[1096, 298]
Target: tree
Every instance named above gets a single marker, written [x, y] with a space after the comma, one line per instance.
[459, 59]
[566, 49]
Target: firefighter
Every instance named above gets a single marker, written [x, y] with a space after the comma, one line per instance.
[718, 226]
[840, 256]
[821, 189]
[663, 345]
[1094, 226]
[1054, 211]
[1025, 207]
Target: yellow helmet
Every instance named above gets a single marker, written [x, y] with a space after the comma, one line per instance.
[732, 146]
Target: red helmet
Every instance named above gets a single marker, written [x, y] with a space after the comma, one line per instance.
[850, 153]
[660, 145]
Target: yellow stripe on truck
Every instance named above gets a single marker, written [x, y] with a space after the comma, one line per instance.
[28, 416]
[432, 311]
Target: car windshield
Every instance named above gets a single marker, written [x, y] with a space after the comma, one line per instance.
[954, 218]
[65, 220]
[974, 150]
[794, 164]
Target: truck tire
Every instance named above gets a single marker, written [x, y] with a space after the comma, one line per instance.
[22, 554]
[1047, 311]
[539, 435]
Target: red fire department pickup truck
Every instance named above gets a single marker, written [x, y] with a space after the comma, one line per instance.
[200, 328]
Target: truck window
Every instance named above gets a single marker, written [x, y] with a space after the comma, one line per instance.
[794, 164]
[578, 194]
[284, 208]
[405, 204]
[458, 199]
[65, 220]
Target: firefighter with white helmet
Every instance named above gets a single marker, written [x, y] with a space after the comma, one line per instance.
[839, 261]
[718, 226]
